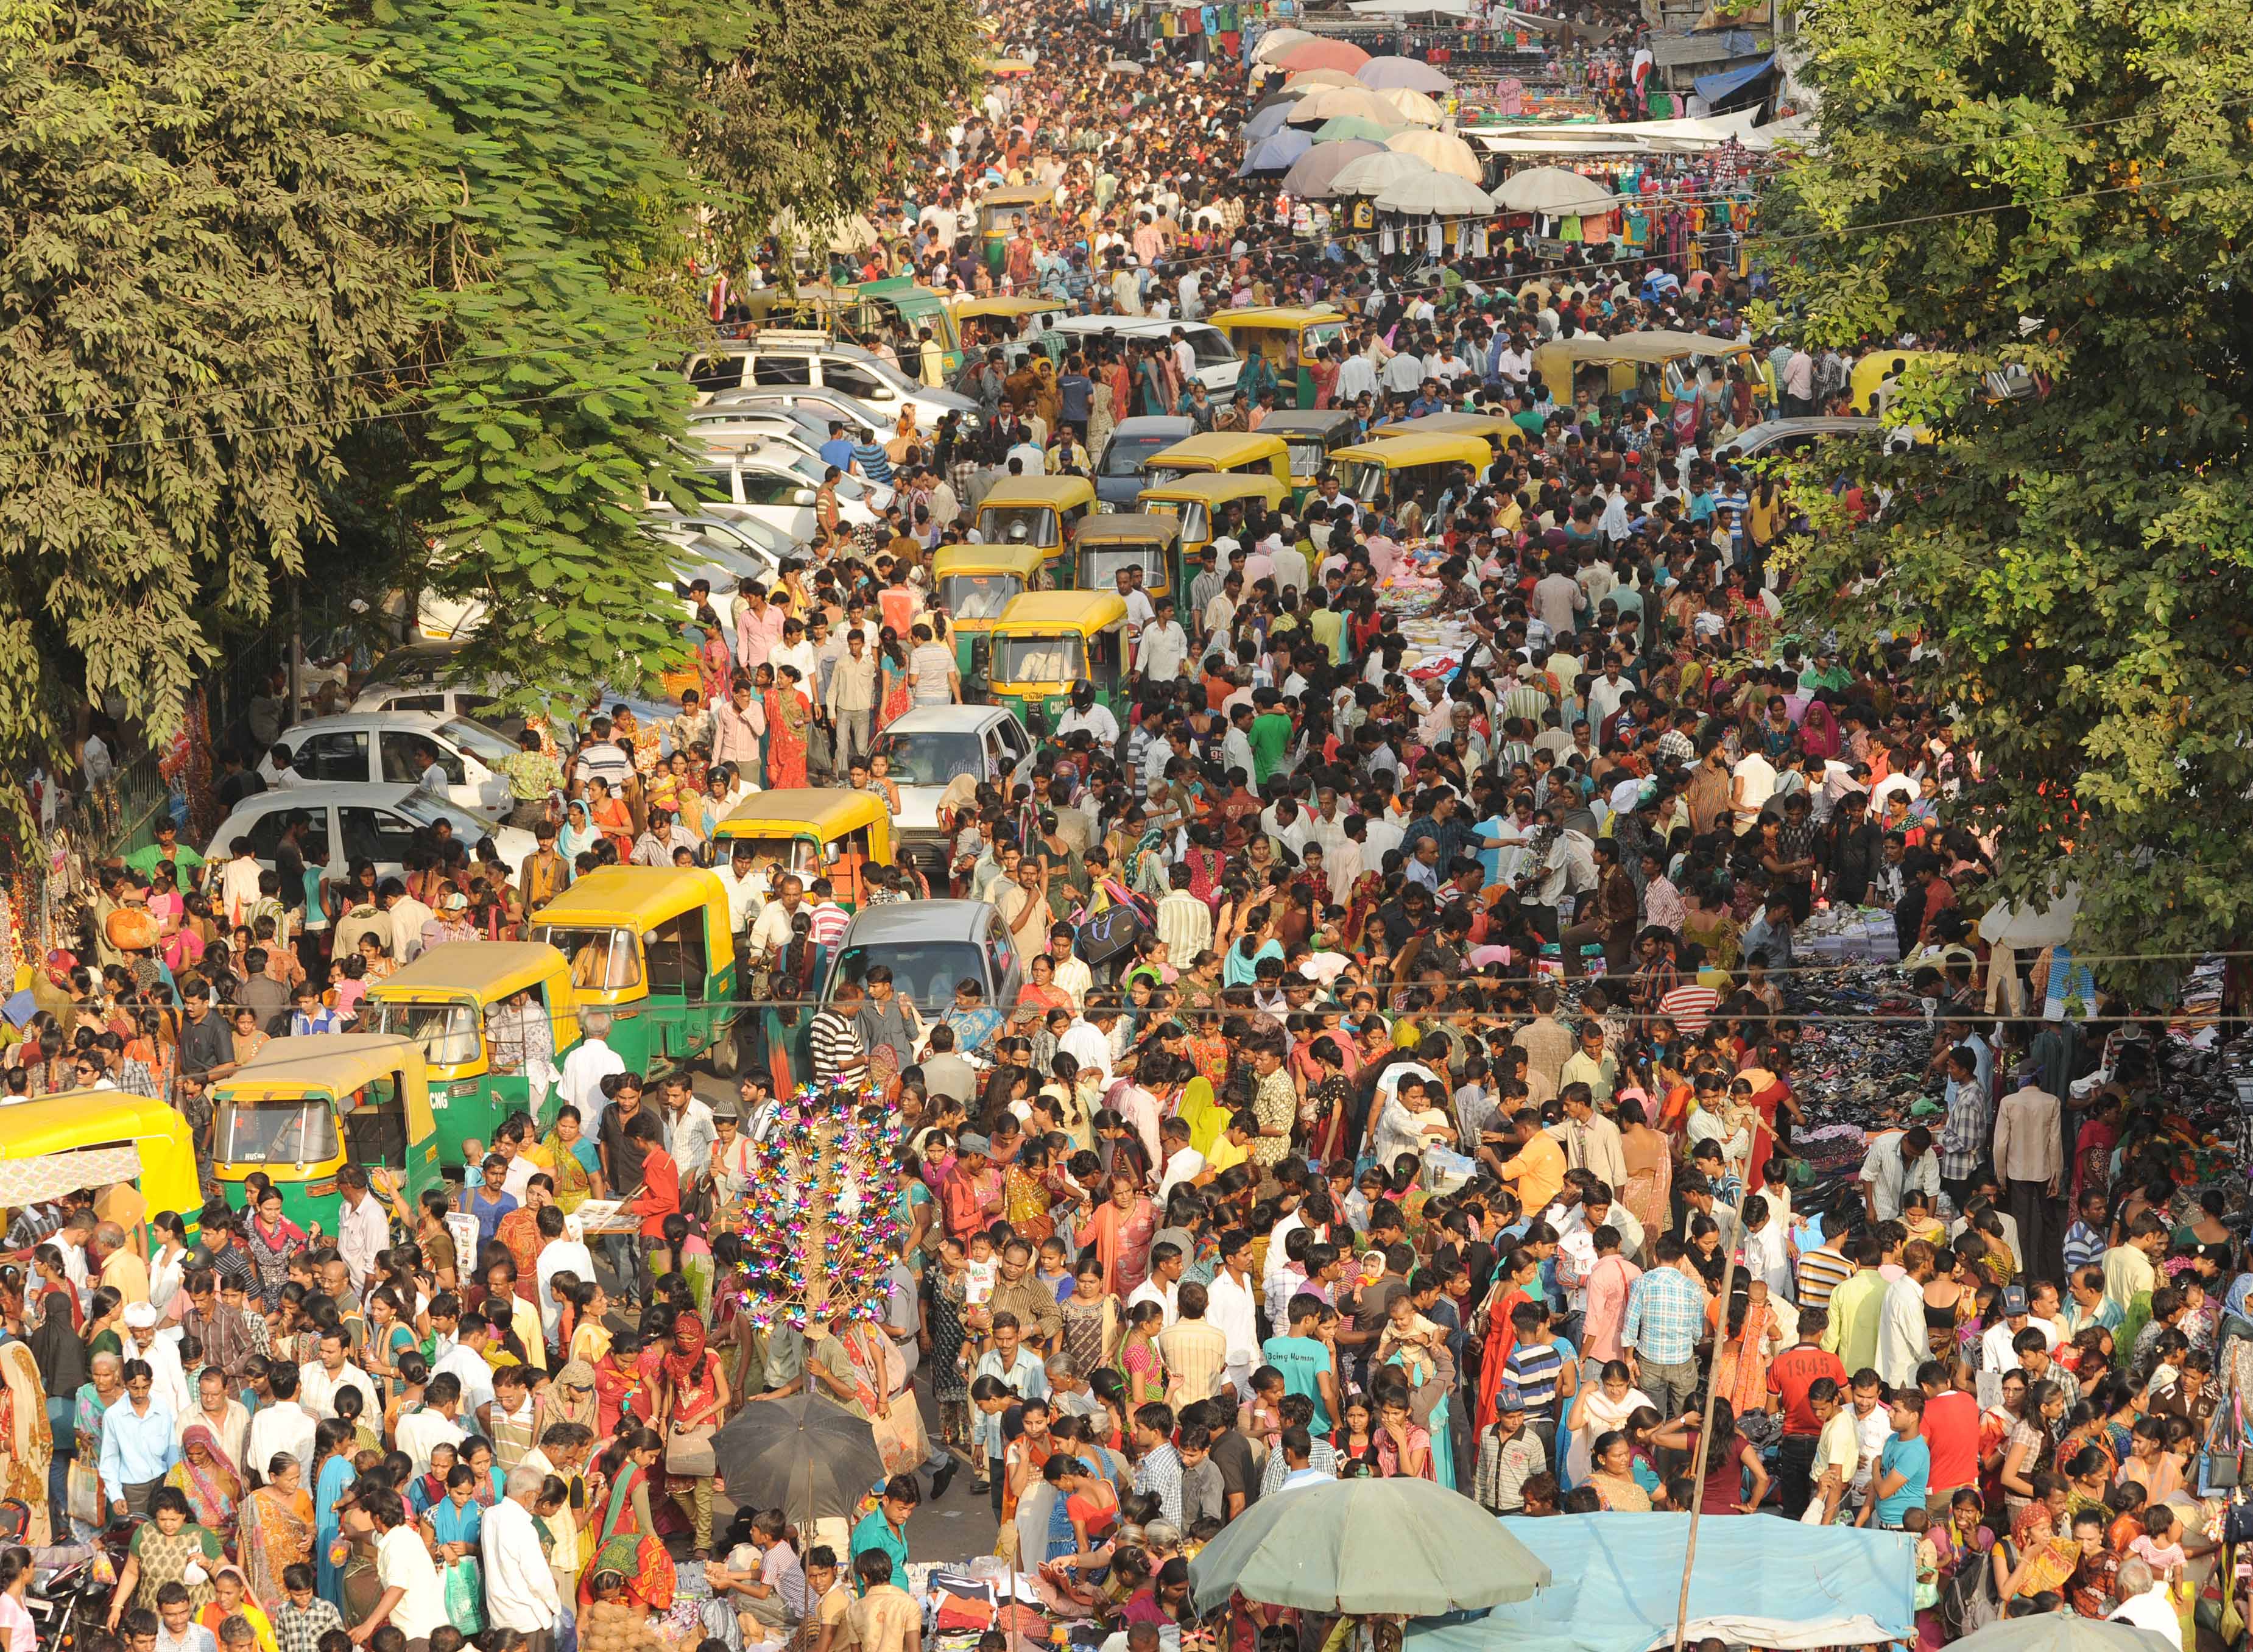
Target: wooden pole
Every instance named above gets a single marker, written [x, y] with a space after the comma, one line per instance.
[1705, 1429]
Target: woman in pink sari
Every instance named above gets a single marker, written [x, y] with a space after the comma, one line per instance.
[1818, 731]
[788, 717]
[1120, 1229]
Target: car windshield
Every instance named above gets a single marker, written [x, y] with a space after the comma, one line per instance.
[487, 745]
[794, 854]
[1125, 454]
[1018, 525]
[279, 1131]
[447, 1033]
[926, 971]
[930, 759]
[1040, 659]
[1158, 476]
[602, 960]
[813, 466]
[1210, 346]
[425, 810]
[978, 596]
[1098, 564]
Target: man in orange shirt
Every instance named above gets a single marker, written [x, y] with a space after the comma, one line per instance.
[1536, 1171]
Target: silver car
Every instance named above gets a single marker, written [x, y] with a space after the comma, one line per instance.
[930, 947]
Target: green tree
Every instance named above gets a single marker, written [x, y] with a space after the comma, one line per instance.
[815, 109]
[202, 264]
[2063, 193]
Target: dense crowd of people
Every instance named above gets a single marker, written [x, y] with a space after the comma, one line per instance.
[1459, 1108]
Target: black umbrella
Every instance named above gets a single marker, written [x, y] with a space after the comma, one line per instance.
[809, 1457]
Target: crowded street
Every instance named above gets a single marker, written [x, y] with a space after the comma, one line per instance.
[1295, 952]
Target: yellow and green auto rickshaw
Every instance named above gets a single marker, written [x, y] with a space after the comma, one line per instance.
[652, 946]
[1000, 212]
[1039, 511]
[485, 1013]
[1497, 430]
[1048, 641]
[301, 1109]
[817, 832]
[98, 1142]
[1219, 453]
[1198, 502]
[974, 583]
[1287, 339]
[1130, 539]
[995, 320]
[1311, 435]
[1402, 467]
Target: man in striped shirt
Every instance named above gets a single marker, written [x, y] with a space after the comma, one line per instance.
[1532, 1369]
[1821, 1271]
[838, 1055]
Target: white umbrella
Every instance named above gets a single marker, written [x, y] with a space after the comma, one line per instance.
[1374, 174]
[1358, 101]
[1436, 195]
[2008, 923]
[1446, 152]
[1552, 189]
[1387, 73]
[1318, 80]
[1413, 105]
[1275, 42]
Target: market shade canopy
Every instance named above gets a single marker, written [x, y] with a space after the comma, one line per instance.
[1411, 73]
[1276, 42]
[2054, 1632]
[1313, 80]
[1351, 125]
[1334, 101]
[1765, 1583]
[1268, 121]
[1322, 54]
[1413, 105]
[1436, 195]
[1400, 1546]
[1275, 154]
[1312, 172]
[1444, 150]
[1374, 174]
[1552, 189]
[807, 1456]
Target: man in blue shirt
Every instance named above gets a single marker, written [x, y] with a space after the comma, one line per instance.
[1304, 1361]
[1904, 1465]
[138, 1447]
[837, 450]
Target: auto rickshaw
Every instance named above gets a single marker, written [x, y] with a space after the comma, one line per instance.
[652, 946]
[999, 211]
[1219, 452]
[1635, 364]
[302, 1108]
[1038, 511]
[1048, 641]
[1287, 339]
[1498, 430]
[974, 583]
[1197, 502]
[98, 1142]
[456, 1002]
[994, 321]
[816, 832]
[1130, 539]
[1406, 465]
[1311, 435]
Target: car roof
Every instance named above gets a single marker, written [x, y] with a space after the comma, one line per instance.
[1154, 424]
[918, 921]
[427, 721]
[307, 794]
[946, 720]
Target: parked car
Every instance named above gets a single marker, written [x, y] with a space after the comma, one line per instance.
[390, 748]
[1119, 479]
[929, 747]
[769, 486]
[354, 821]
[929, 946]
[413, 678]
[785, 358]
[1213, 356]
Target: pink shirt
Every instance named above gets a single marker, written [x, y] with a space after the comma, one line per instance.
[1609, 1282]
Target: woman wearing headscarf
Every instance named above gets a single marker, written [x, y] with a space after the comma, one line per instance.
[693, 1398]
[1818, 731]
[59, 1358]
[206, 1476]
[577, 833]
[26, 1439]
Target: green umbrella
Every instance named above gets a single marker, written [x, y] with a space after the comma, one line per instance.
[1345, 126]
[1396, 1545]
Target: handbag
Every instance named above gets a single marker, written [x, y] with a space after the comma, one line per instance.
[688, 1454]
[2220, 1460]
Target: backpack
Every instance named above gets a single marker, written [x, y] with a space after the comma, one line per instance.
[1967, 1598]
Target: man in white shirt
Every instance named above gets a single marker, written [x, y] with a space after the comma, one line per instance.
[746, 884]
[319, 1380]
[1894, 1165]
[466, 1360]
[2144, 1603]
[414, 1597]
[363, 1229]
[284, 1426]
[422, 1431]
[1164, 1283]
[585, 1068]
[567, 1255]
[520, 1589]
[1752, 782]
[1085, 713]
[1164, 647]
[1231, 1302]
[1088, 1042]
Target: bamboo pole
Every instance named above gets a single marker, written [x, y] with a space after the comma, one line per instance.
[1705, 1427]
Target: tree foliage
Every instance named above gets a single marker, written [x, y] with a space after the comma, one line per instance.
[2062, 191]
[203, 257]
[811, 109]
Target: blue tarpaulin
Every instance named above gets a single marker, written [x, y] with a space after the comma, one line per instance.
[1716, 89]
[1760, 1581]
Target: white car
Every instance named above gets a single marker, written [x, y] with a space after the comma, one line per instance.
[773, 491]
[393, 747]
[359, 820]
[784, 358]
[1213, 355]
[413, 678]
[929, 746]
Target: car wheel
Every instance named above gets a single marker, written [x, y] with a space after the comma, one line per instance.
[725, 1058]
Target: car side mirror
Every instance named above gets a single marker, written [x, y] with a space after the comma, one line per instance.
[804, 496]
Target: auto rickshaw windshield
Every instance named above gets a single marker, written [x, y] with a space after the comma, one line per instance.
[275, 1129]
[1018, 525]
[1100, 563]
[1040, 659]
[602, 960]
[447, 1033]
[978, 596]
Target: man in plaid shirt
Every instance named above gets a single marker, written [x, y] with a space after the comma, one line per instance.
[1963, 1138]
[1665, 1312]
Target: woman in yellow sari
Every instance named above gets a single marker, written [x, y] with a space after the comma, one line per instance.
[560, 1155]
[277, 1527]
[1025, 1197]
[27, 1441]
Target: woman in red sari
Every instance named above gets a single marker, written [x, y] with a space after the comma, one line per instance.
[1771, 1095]
[1121, 1229]
[788, 719]
[1513, 1283]
[696, 1395]
[626, 1536]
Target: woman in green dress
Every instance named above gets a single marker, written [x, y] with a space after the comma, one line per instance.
[165, 1548]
